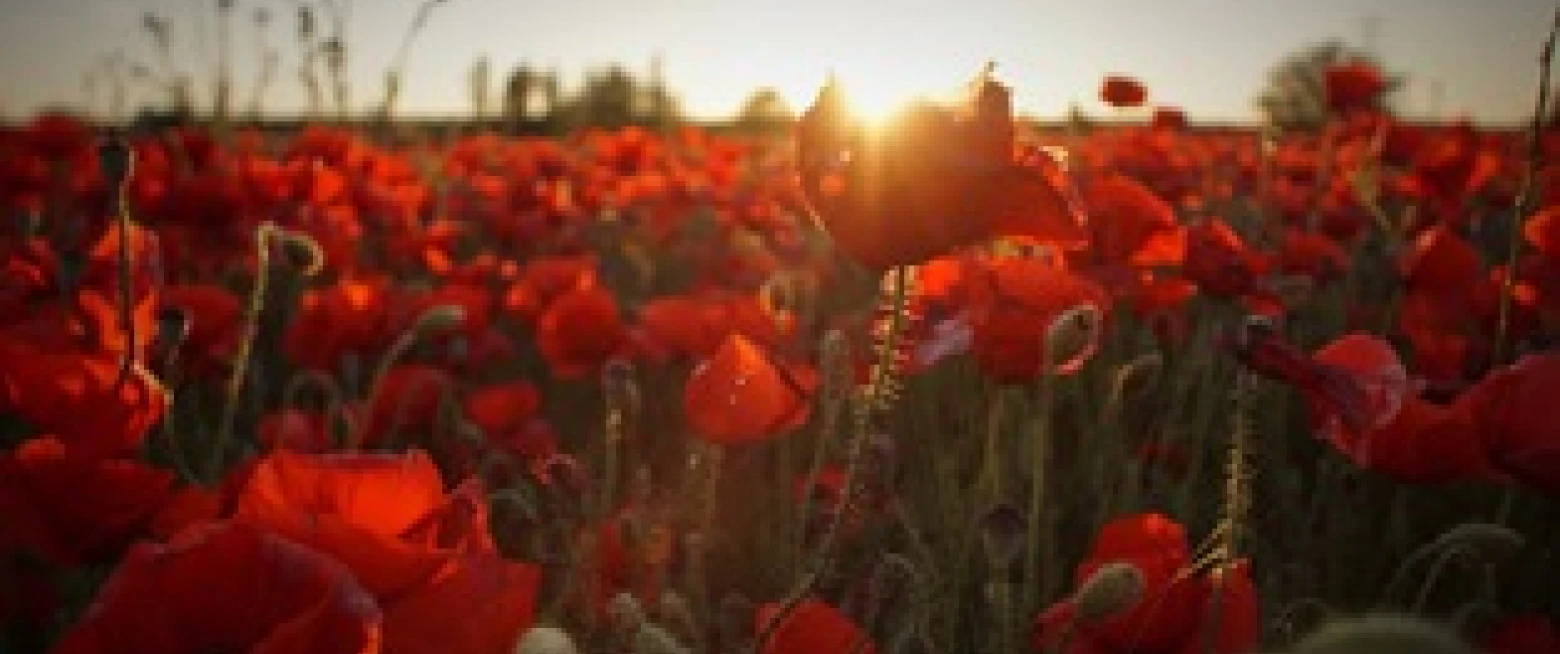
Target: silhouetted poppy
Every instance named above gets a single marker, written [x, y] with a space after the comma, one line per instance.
[227, 587]
[1169, 118]
[742, 394]
[71, 507]
[812, 627]
[936, 179]
[1122, 92]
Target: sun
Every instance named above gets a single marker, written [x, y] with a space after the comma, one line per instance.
[875, 96]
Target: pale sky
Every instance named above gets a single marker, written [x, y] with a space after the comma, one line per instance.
[1208, 56]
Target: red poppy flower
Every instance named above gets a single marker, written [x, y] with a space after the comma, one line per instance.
[502, 408]
[1359, 396]
[369, 511]
[1169, 118]
[1440, 261]
[1513, 408]
[79, 397]
[1122, 92]
[215, 326]
[1130, 224]
[1014, 318]
[1355, 85]
[1313, 255]
[406, 404]
[544, 279]
[186, 507]
[935, 180]
[1170, 613]
[70, 507]
[227, 587]
[347, 318]
[812, 627]
[580, 331]
[1219, 261]
[480, 603]
[743, 395]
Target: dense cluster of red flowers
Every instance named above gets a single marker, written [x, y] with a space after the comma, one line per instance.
[351, 509]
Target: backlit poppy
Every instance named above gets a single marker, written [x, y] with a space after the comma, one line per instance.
[935, 180]
[365, 510]
[742, 394]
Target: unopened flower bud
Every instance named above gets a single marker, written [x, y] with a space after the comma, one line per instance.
[1113, 589]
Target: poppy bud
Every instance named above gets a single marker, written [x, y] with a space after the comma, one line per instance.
[1110, 591]
[1072, 336]
[1002, 534]
[117, 161]
[440, 318]
[1382, 634]
[301, 252]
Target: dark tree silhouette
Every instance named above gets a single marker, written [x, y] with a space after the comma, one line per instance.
[1296, 92]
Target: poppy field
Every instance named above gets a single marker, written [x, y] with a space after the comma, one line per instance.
[954, 383]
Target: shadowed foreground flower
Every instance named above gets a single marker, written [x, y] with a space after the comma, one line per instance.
[78, 397]
[1160, 606]
[228, 587]
[934, 180]
[425, 555]
[743, 395]
[812, 628]
[69, 507]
